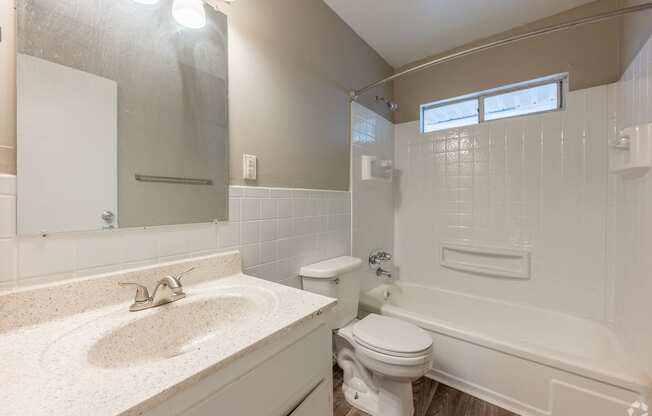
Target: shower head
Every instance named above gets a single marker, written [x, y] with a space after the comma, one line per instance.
[391, 105]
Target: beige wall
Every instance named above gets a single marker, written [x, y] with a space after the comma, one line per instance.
[589, 53]
[7, 89]
[292, 63]
[636, 30]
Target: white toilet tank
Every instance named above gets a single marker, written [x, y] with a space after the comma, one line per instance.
[336, 278]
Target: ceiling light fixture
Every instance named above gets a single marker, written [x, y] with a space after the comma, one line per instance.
[189, 13]
[146, 1]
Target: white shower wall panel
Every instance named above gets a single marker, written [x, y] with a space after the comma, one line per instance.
[535, 183]
[631, 240]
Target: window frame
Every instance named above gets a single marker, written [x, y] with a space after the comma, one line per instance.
[559, 79]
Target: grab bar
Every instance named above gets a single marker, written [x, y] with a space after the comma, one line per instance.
[172, 179]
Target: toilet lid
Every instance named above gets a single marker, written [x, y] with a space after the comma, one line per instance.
[391, 336]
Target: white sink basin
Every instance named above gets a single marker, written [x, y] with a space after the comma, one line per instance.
[128, 339]
[172, 330]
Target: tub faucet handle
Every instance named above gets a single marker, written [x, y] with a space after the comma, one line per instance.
[378, 257]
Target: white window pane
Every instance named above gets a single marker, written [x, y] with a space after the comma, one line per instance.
[526, 101]
[448, 116]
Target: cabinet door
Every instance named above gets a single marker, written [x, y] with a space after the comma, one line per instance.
[276, 386]
[316, 404]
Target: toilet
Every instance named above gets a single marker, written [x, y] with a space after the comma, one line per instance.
[380, 356]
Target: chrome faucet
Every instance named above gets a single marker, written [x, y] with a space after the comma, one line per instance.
[168, 289]
[380, 272]
[377, 259]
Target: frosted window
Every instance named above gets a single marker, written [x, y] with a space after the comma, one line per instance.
[521, 102]
[536, 96]
[448, 116]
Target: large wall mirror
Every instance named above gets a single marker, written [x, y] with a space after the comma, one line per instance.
[122, 115]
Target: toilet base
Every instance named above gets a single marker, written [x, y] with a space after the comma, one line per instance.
[394, 398]
[367, 401]
[372, 393]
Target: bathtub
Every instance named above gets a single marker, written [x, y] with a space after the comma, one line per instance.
[527, 360]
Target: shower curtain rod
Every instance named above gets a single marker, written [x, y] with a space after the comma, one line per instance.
[535, 33]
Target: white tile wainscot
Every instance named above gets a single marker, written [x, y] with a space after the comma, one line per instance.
[278, 230]
[281, 229]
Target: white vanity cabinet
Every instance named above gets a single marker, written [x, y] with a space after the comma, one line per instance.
[289, 375]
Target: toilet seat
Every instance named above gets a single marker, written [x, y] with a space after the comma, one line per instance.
[392, 337]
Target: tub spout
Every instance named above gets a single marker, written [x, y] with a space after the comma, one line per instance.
[380, 272]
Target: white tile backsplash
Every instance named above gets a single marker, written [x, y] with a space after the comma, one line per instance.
[281, 193]
[7, 260]
[268, 209]
[254, 228]
[268, 230]
[234, 209]
[286, 227]
[250, 232]
[229, 234]
[284, 207]
[250, 209]
[268, 251]
[250, 256]
[101, 250]
[7, 222]
[7, 184]
[46, 256]
[254, 192]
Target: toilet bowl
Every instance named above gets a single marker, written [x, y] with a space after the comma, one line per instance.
[380, 356]
[383, 357]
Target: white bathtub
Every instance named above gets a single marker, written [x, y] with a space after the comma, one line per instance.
[527, 360]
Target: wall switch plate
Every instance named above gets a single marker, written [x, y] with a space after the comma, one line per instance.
[249, 167]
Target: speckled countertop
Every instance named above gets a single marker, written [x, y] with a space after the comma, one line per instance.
[49, 342]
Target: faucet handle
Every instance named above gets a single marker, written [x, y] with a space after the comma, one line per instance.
[378, 257]
[142, 293]
[179, 276]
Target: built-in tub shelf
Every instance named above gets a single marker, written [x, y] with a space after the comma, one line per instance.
[630, 153]
[487, 261]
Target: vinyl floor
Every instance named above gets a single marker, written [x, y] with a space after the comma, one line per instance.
[430, 399]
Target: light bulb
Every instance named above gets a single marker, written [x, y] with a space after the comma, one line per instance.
[189, 13]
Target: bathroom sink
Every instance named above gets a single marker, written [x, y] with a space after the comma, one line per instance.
[198, 322]
[172, 330]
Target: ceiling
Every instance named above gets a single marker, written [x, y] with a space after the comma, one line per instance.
[403, 31]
